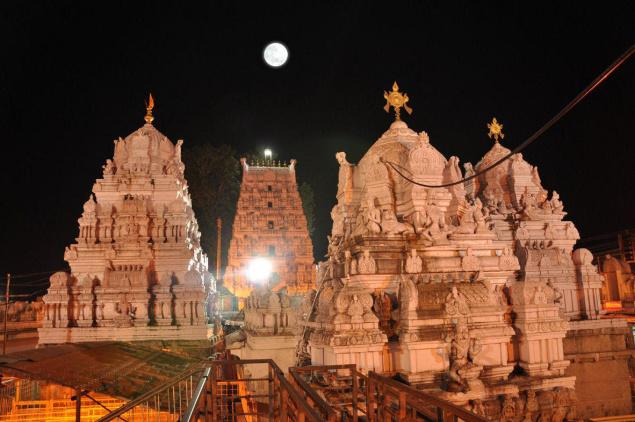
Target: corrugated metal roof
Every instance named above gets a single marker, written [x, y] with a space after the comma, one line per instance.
[115, 368]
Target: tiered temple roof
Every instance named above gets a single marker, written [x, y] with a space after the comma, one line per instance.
[137, 268]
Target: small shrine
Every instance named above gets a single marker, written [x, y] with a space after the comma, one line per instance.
[465, 283]
[137, 268]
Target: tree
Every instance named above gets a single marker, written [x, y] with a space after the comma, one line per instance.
[308, 205]
[213, 177]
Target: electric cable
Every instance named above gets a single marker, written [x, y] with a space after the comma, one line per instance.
[586, 91]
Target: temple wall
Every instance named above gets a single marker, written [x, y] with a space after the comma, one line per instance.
[599, 358]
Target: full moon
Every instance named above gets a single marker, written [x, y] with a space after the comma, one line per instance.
[275, 54]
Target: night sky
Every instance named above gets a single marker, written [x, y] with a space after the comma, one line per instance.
[74, 77]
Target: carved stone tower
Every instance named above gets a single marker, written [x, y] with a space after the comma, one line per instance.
[270, 223]
[137, 269]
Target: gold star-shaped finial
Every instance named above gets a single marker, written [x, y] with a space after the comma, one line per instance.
[495, 130]
[149, 118]
[396, 100]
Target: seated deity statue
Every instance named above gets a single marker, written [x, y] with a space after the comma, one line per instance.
[366, 264]
[373, 218]
[479, 218]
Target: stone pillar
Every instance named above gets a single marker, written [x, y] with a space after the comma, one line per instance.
[539, 329]
[590, 282]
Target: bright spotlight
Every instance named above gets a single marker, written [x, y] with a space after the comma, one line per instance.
[268, 154]
[259, 270]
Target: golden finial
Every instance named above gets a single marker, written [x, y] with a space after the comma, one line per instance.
[149, 106]
[495, 130]
[396, 100]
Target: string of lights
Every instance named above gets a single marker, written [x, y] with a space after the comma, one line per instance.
[586, 91]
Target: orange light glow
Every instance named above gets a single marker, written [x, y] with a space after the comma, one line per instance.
[615, 305]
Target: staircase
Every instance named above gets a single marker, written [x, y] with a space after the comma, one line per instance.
[256, 390]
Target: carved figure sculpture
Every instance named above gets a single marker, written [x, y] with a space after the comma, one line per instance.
[414, 264]
[373, 218]
[366, 264]
[463, 351]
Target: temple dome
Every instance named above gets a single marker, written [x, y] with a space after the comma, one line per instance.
[146, 149]
[494, 154]
[393, 146]
[426, 162]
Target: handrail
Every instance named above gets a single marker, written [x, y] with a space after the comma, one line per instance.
[315, 397]
[428, 398]
[299, 400]
[200, 387]
[287, 390]
[144, 397]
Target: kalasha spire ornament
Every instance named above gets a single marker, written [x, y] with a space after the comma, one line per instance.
[396, 100]
[495, 130]
[149, 118]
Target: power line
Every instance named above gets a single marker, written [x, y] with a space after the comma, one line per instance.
[596, 82]
[32, 274]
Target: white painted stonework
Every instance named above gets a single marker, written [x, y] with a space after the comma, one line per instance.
[137, 268]
[453, 288]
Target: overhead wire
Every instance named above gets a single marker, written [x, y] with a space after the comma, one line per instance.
[586, 91]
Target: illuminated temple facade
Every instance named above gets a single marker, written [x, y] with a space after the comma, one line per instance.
[137, 268]
[270, 223]
[474, 292]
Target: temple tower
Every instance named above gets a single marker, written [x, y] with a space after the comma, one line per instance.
[270, 224]
[469, 289]
[137, 268]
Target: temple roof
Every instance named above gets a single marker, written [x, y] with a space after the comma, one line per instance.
[118, 369]
[494, 154]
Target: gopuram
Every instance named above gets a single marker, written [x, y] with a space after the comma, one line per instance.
[270, 224]
[471, 290]
[137, 269]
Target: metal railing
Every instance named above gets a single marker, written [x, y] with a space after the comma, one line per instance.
[390, 400]
[254, 390]
[342, 393]
[233, 390]
[163, 403]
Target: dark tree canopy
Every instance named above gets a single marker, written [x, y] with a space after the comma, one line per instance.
[213, 176]
[308, 205]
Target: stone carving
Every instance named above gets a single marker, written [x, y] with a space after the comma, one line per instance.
[345, 178]
[130, 236]
[471, 186]
[390, 225]
[469, 262]
[463, 373]
[498, 268]
[414, 264]
[456, 304]
[366, 263]
[109, 168]
[570, 231]
[269, 314]
[408, 297]
[338, 222]
[473, 220]
[372, 218]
